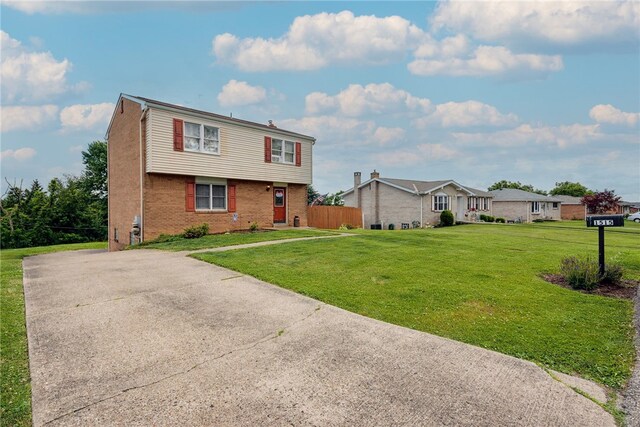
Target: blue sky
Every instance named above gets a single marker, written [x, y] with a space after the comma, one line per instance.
[471, 91]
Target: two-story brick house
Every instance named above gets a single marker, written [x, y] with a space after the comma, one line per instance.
[170, 167]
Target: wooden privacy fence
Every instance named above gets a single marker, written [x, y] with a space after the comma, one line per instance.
[333, 216]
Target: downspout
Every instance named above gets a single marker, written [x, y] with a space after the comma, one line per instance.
[144, 112]
[420, 197]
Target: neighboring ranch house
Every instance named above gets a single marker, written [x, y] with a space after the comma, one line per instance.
[518, 205]
[171, 167]
[571, 207]
[403, 202]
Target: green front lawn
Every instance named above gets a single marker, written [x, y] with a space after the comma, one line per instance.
[478, 284]
[230, 239]
[15, 401]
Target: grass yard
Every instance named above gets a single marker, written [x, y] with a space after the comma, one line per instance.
[15, 400]
[474, 283]
[218, 240]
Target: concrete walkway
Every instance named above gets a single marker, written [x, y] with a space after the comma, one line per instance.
[265, 243]
[155, 338]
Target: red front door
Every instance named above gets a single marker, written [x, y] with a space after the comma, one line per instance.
[279, 205]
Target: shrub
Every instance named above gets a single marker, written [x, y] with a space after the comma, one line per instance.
[483, 217]
[580, 273]
[538, 220]
[446, 218]
[490, 218]
[500, 220]
[584, 273]
[613, 273]
[253, 227]
[415, 223]
[345, 227]
[196, 231]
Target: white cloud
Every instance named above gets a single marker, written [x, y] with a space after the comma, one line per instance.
[609, 114]
[86, 116]
[18, 118]
[333, 130]
[423, 153]
[20, 154]
[357, 100]
[316, 41]
[236, 93]
[340, 132]
[551, 23]
[463, 114]
[526, 134]
[486, 61]
[385, 136]
[28, 76]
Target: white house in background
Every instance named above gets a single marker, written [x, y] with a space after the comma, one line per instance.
[404, 202]
[519, 205]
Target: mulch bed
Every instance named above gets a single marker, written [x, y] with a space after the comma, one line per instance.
[626, 289]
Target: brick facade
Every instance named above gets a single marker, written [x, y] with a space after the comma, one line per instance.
[572, 211]
[165, 211]
[162, 202]
[124, 172]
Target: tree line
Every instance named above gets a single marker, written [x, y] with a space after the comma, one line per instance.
[71, 209]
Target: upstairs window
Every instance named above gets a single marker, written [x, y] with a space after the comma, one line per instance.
[282, 151]
[201, 138]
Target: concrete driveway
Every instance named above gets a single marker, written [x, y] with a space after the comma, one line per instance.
[154, 338]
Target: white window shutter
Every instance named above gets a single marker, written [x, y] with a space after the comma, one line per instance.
[448, 202]
[433, 203]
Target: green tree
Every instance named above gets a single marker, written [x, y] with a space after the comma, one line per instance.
[94, 184]
[567, 188]
[312, 194]
[94, 176]
[517, 185]
[334, 199]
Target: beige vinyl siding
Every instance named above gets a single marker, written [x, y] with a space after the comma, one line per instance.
[148, 147]
[241, 152]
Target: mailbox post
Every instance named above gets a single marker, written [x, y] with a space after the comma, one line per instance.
[602, 221]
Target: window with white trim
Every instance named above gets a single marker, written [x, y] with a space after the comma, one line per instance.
[478, 203]
[282, 151]
[201, 138]
[211, 197]
[472, 203]
[535, 207]
[440, 203]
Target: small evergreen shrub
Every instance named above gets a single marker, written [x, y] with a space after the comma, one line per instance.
[501, 220]
[253, 227]
[538, 220]
[483, 217]
[446, 218]
[490, 218]
[196, 231]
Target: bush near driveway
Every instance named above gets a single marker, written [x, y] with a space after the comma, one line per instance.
[478, 284]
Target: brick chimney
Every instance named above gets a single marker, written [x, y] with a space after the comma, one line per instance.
[357, 180]
[375, 174]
